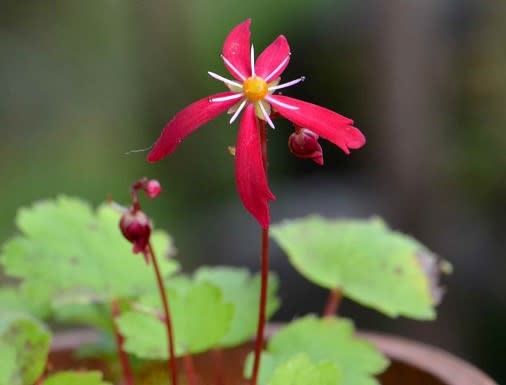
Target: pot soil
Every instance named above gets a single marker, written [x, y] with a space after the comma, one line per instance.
[412, 363]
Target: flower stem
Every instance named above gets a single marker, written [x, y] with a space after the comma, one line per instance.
[126, 369]
[264, 272]
[189, 368]
[333, 302]
[218, 365]
[166, 315]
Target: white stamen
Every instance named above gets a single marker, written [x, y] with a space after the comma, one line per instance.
[252, 61]
[266, 115]
[224, 80]
[288, 84]
[274, 101]
[236, 114]
[285, 60]
[232, 67]
[225, 98]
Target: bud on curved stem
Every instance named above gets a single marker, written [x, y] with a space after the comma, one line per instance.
[136, 228]
[303, 143]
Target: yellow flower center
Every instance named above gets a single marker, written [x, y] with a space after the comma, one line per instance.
[255, 89]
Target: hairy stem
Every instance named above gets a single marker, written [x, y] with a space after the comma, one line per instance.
[189, 368]
[126, 369]
[333, 302]
[264, 272]
[166, 315]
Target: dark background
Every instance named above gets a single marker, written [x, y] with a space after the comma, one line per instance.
[84, 82]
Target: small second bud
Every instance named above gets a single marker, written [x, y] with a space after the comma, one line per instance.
[303, 143]
[152, 188]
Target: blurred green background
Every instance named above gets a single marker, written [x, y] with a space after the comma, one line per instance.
[84, 82]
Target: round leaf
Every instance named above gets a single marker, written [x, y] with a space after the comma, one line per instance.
[366, 261]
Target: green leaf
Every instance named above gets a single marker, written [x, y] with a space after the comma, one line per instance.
[24, 343]
[242, 290]
[323, 340]
[69, 254]
[366, 261]
[76, 378]
[97, 315]
[200, 316]
[15, 299]
[8, 368]
[299, 370]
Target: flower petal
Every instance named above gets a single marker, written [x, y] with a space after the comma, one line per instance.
[250, 175]
[185, 122]
[326, 123]
[236, 50]
[271, 59]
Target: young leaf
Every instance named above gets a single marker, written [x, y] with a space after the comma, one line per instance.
[200, 316]
[366, 261]
[323, 340]
[68, 254]
[76, 378]
[299, 370]
[24, 343]
[241, 289]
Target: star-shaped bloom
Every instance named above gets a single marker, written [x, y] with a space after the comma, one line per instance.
[253, 93]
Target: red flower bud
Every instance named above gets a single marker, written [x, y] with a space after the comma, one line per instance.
[152, 188]
[303, 143]
[136, 228]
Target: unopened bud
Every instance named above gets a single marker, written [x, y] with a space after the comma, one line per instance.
[152, 188]
[303, 143]
[136, 228]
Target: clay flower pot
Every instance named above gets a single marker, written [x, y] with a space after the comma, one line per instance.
[412, 362]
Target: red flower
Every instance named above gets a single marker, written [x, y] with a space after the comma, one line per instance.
[253, 92]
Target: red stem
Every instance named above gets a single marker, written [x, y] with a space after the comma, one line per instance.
[333, 302]
[218, 364]
[126, 369]
[189, 368]
[166, 315]
[264, 272]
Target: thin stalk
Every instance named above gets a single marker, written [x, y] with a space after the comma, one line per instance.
[333, 303]
[166, 315]
[189, 368]
[126, 369]
[264, 272]
[218, 365]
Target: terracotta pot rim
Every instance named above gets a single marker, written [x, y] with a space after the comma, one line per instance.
[443, 365]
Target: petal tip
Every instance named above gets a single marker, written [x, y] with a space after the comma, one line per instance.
[355, 138]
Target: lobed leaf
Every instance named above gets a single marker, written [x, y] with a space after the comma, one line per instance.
[69, 254]
[299, 370]
[242, 290]
[200, 316]
[24, 345]
[366, 261]
[323, 341]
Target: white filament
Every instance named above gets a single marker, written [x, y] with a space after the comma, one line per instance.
[266, 115]
[232, 67]
[238, 111]
[224, 80]
[225, 98]
[274, 101]
[252, 61]
[288, 84]
[285, 60]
